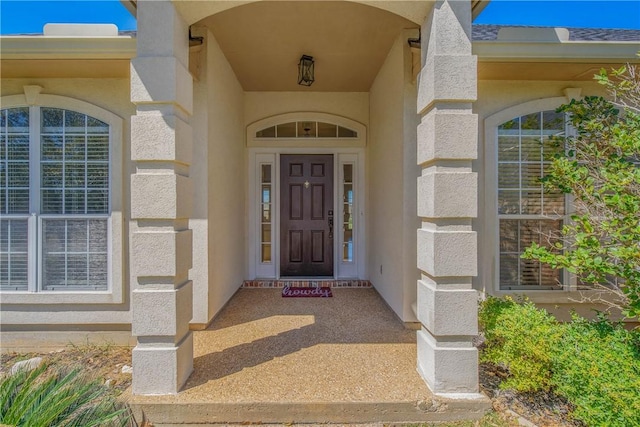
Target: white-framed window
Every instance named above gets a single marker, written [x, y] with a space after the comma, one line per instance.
[267, 187]
[525, 146]
[515, 147]
[349, 199]
[307, 129]
[56, 225]
[264, 212]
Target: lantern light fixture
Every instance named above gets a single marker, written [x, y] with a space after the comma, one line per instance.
[305, 70]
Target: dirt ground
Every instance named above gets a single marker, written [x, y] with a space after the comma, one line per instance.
[541, 409]
[102, 361]
[107, 362]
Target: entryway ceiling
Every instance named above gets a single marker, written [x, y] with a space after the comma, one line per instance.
[263, 42]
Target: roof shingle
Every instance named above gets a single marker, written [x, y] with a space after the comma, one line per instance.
[483, 32]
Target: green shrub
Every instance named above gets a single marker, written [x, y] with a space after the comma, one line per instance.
[520, 337]
[58, 397]
[597, 368]
[595, 365]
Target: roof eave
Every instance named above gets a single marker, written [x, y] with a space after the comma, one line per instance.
[572, 51]
[41, 47]
[477, 6]
[131, 6]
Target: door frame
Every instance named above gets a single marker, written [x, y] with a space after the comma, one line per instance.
[341, 156]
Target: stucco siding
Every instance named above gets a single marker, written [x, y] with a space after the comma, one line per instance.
[392, 174]
[110, 94]
[260, 105]
[199, 171]
[495, 95]
[226, 180]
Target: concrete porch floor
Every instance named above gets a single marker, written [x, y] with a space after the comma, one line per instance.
[268, 359]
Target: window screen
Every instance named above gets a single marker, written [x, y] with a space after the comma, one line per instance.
[526, 146]
[69, 203]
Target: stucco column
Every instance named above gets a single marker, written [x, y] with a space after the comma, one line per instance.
[161, 199]
[447, 201]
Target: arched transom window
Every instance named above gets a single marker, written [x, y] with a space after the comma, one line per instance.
[306, 129]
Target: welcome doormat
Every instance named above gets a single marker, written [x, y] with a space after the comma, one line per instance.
[294, 292]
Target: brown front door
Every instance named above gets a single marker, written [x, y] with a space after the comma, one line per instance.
[306, 215]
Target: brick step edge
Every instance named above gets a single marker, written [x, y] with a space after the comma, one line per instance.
[306, 283]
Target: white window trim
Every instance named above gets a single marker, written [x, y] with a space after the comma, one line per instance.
[359, 141]
[491, 224]
[115, 287]
[257, 157]
[268, 150]
[354, 268]
[258, 268]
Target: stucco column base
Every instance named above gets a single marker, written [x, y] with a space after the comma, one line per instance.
[162, 312]
[447, 367]
[162, 370]
[443, 253]
[435, 188]
[447, 135]
[450, 309]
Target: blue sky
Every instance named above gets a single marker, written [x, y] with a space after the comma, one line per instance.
[25, 16]
[576, 13]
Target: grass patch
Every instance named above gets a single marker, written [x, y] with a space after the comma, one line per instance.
[59, 396]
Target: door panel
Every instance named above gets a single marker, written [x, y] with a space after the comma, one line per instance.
[306, 206]
[317, 246]
[295, 246]
[317, 202]
[295, 202]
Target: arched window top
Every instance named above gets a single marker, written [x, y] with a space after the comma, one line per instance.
[501, 118]
[321, 128]
[64, 103]
[306, 129]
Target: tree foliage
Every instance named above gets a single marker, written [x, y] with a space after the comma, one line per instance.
[594, 365]
[600, 168]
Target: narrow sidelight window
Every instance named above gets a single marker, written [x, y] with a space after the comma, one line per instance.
[266, 209]
[347, 209]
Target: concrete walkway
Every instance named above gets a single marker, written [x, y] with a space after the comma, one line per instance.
[268, 359]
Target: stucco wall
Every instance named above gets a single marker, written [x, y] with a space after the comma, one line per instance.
[260, 105]
[493, 97]
[199, 173]
[112, 95]
[392, 174]
[219, 173]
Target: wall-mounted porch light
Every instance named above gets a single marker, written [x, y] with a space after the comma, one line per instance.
[305, 70]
